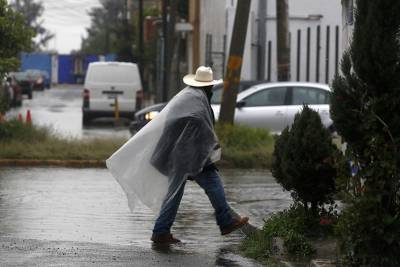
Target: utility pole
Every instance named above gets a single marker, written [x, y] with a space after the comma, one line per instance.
[194, 19]
[232, 76]
[165, 5]
[141, 46]
[282, 29]
[262, 20]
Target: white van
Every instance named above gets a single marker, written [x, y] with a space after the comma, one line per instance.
[106, 81]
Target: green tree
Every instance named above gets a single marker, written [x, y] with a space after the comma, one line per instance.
[304, 161]
[32, 12]
[14, 38]
[110, 31]
[366, 112]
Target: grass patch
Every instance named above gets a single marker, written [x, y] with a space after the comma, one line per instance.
[21, 141]
[245, 147]
[242, 147]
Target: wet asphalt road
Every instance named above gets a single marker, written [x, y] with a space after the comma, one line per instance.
[60, 109]
[80, 217]
[48, 213]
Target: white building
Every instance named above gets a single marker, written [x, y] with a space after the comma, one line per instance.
[306, 19]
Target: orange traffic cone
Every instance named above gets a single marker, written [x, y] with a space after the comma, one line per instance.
[28, 117]
[20, 117]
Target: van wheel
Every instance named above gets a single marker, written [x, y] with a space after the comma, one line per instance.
[86, 119]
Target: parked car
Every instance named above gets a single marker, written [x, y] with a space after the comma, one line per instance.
[106, 81]
[143, 116]
[6, 95]
[267, 105]
[16, 100]
[24, 82]
[39, 79]
[274, 105]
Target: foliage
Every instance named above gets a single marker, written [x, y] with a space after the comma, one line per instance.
[245, 147]
[23, 141]
[4, 106]
[110, 31]
[366, 114]
[295, 227]
[14, 38]
[32, 11]
[16, 130]
[243, 137]
[304, 160]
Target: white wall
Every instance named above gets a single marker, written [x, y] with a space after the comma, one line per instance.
[217, 18]
[212, 21]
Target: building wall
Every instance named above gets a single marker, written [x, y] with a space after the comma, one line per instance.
[61, 68]
[39, 61]
[217, 19]
[213, 23]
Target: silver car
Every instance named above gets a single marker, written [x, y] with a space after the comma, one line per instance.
[274, 105]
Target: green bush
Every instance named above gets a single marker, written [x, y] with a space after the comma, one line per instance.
[304, 160]
[292, 225]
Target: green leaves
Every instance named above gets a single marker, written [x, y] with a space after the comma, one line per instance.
[14, 38]
[303, 160]
[365, 110]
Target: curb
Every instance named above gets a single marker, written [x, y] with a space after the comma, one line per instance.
[51, 162]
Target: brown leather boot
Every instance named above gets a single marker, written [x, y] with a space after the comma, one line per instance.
[164, 239]
[237, 223]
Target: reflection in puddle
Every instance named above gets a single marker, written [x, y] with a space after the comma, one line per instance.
[88, 205]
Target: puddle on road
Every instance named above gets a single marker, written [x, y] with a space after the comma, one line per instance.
[88, 205]
[61, 110]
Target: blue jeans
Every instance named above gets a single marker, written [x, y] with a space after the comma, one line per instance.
[212, 185]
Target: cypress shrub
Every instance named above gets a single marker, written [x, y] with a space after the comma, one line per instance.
[303, 161]
[366, 112]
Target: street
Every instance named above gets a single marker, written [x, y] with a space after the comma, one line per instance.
[64, 216]
[54, 215]
[60, 109]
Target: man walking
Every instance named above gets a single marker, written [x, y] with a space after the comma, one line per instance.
[178, 145]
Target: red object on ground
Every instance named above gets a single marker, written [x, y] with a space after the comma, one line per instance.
[19, 117]
[28, 117]
[325, 221]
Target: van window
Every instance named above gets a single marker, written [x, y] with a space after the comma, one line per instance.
[112, 74]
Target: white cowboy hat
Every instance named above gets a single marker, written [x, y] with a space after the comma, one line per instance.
[203, 77]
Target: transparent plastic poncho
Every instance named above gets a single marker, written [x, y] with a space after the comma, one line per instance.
[175, 145]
